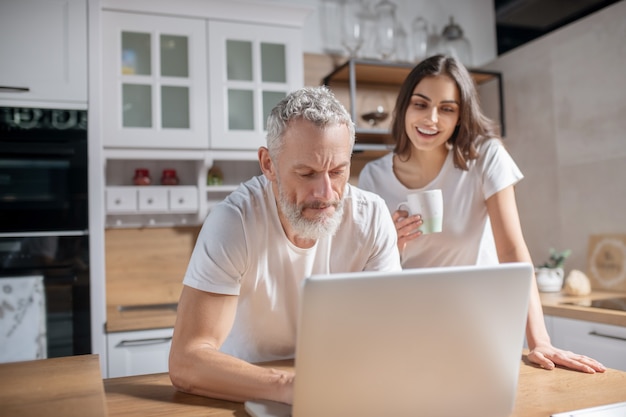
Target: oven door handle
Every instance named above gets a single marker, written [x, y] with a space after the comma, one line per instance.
[44, 233]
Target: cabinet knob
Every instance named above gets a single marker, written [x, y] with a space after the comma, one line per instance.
[181, 200]
[149, 201]
[118, 201]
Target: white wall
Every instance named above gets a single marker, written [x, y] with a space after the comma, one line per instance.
[476, 18]
[565, 107]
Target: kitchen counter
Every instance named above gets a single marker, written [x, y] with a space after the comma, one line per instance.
[540, 393]
[553, 305]
[69, 386]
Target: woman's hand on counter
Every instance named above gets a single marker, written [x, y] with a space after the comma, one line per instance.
[548, 357]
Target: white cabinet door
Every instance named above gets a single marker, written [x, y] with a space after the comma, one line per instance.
[251, 68]
[603, 342]
[152, 199]
[138, 352]
[43, 45]
[121, 200]
[155, 82]
[183, 199]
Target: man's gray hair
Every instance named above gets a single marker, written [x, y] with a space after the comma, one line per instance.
[315, 104]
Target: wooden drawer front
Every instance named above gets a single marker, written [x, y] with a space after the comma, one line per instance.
[152, 199]
[121, 199]
[184, 199]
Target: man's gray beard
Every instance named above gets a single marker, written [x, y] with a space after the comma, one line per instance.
[305, 228]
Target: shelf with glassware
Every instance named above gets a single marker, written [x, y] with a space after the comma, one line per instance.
[369, 87]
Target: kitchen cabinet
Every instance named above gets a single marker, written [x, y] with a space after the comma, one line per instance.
[369, 88]
[155, 80]
[138, 352]
[603, 342]
[190, 85]
[43, 45]
[129, 205]
[251, 68]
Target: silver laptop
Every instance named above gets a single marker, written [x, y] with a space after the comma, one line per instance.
[420, 342]
[608, 410]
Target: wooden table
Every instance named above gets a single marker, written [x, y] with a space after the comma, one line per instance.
[540, 393]
[70, 386]
[73, 386]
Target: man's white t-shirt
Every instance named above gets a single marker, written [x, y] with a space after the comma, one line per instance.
[242, 250]
[466, 238]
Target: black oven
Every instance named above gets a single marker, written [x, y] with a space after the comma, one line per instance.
[43, 170]
[44, 238]
[59, 265]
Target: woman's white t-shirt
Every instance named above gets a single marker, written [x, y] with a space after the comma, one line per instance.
[242, 250]
[466, 238]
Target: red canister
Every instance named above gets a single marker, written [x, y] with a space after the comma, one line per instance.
[142, 177]
[169, 177]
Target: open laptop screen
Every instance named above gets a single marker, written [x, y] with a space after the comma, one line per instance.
[431, 341]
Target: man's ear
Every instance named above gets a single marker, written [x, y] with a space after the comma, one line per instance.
[267, 166]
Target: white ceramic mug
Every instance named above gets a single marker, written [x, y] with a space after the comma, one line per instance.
[428, 204]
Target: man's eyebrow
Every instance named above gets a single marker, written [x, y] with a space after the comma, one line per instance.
[305, 166]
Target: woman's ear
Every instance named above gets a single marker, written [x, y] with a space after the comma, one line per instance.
[266, 163]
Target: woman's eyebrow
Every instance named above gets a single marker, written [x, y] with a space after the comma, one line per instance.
[422, 96]
[429, 99]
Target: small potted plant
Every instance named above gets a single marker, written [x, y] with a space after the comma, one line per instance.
[550, 274]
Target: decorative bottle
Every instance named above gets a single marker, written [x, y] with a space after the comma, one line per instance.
[419, 38]
[454, 43]
[385, 12]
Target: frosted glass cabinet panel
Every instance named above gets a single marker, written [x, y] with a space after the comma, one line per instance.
[174, 56]
[136, 53]
[239, 60]
[269, 101]
[273, 63]
[251, 68]
[175, 107]
[154, 77]
[240, 109]
[137, 100]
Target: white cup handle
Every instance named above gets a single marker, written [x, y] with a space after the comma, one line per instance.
[404, 206]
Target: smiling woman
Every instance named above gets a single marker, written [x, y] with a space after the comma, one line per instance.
[444, 141]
